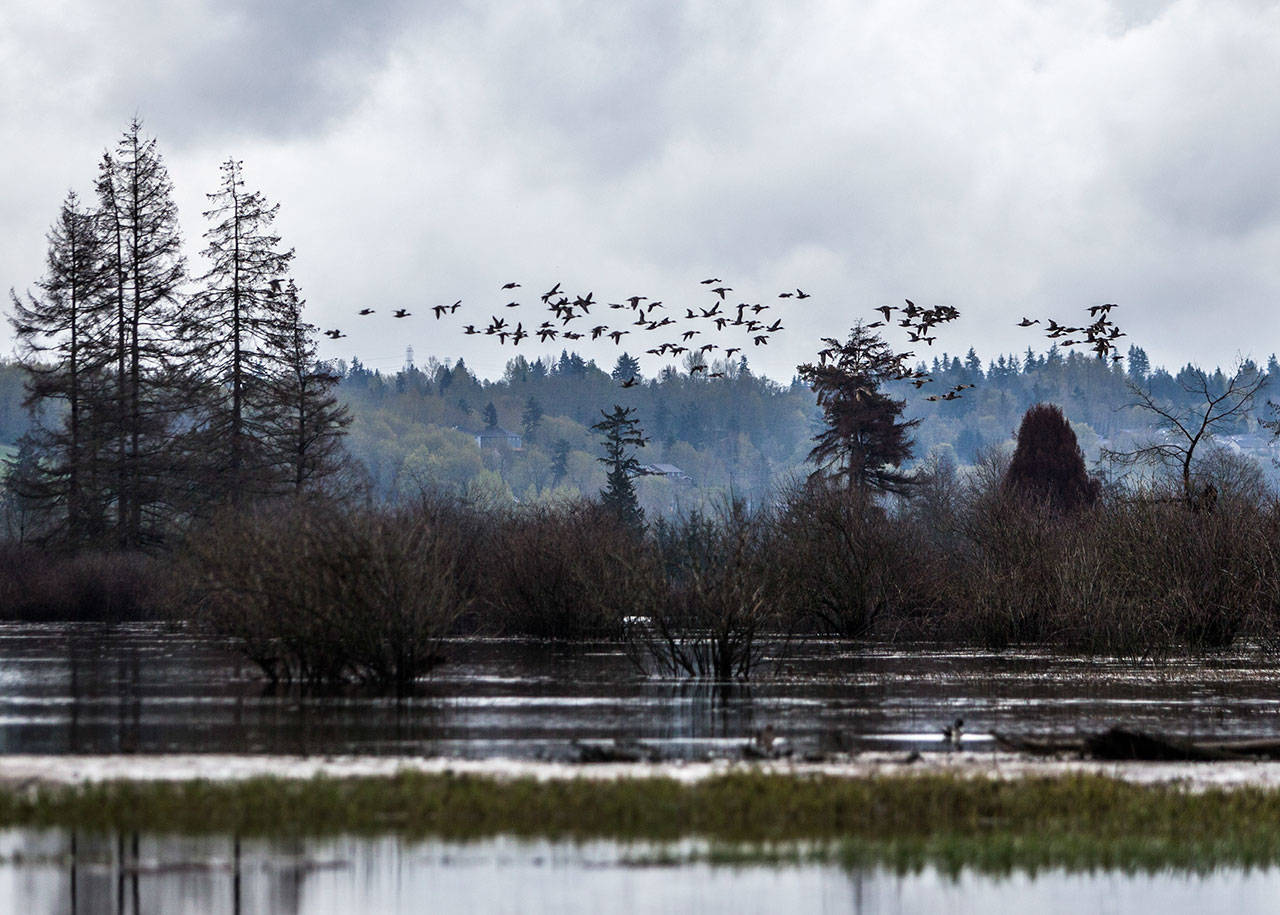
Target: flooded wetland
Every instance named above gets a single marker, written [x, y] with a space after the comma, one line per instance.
[143, 690]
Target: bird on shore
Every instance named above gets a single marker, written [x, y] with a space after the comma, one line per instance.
[764, 739]
[953, 733]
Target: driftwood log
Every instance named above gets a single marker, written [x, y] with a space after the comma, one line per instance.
[1122, 744]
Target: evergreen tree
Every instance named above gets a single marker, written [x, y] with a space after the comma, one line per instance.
[60, 334]
[1139, 364]
[144, 251]
[244, 329]
[303, 422]
[1048, 463]
[490, 416]
[559, 461]
[626, 368]
[865, 439]
[531, 418]
[622, 435]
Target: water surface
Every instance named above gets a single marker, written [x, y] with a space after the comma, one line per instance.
[77, 688]
[57, 872]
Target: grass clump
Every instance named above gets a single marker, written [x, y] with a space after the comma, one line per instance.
[905, 822]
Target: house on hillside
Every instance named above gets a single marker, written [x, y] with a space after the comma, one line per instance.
[670, 471]
[498, 437]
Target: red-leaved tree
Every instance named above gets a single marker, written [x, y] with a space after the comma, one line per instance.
[1048, 463]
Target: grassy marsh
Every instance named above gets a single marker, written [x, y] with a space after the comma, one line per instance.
[1076, 822]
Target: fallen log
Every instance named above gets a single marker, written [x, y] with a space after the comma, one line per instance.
[1121, 744]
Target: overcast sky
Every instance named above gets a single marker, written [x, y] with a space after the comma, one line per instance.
[1008, 158]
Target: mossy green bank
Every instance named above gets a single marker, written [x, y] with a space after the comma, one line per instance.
[1077, 822]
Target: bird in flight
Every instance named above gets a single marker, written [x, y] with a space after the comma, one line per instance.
[401, 313]
[366, 311]
[510, 285]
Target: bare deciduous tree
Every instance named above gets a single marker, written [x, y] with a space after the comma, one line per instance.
[1217, 407]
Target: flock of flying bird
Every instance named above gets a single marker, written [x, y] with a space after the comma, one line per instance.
[570, 318]
[1100, 335]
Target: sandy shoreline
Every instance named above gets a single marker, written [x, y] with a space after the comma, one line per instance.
[31, 770]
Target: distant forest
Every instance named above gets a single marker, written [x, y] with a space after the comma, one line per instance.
[418, 427]
[742, 433]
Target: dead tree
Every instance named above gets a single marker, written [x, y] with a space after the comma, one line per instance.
[1215, 409]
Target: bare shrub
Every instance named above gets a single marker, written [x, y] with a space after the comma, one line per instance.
[846, 564]
[1006, 575]
[561, 572]
[38, 584]
[713, 600]
[315, 592]
[1137, 575]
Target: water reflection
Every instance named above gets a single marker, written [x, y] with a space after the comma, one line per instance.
[141, 688]
[131, 874]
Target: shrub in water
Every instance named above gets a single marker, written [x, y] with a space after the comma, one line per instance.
[713, 599]
[316, 592]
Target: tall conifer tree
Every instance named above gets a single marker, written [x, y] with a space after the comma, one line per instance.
[61, 332]
[144, 251]
[240, 325]
[304, 423]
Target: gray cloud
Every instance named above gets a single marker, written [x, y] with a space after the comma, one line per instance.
[1034, 158]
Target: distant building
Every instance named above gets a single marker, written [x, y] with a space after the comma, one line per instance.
[670, 471]
[498, 437]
